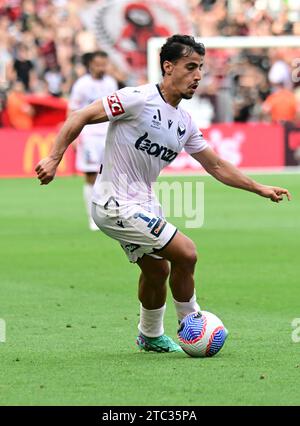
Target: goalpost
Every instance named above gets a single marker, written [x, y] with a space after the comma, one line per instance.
[155, 43]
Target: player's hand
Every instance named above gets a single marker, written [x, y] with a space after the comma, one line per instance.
[46, 170]
[275, 193]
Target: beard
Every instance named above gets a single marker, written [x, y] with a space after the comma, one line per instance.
[185, 96]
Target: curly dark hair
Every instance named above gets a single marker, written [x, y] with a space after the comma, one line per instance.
[178, 46]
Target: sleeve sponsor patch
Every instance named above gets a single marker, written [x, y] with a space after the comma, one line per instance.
[115, 105]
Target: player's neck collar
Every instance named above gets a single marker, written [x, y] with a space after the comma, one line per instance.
[162, 96]
[160, 92]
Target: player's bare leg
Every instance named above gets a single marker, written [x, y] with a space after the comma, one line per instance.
[152, 283]
[182, 254]
[90, 178]
[152, 295]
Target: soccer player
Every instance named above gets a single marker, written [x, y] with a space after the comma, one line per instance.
[147, 130]
[90, 150]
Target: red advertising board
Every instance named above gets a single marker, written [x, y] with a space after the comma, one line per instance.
[250, 145]
[20, 151]
[244, 145]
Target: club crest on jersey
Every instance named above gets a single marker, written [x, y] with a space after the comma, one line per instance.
[180, 130]
[115, 105]
[153, 148]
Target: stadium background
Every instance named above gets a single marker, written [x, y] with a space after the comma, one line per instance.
[45, 45]
[63, 346]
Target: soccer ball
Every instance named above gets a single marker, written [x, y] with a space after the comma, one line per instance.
[201, 334]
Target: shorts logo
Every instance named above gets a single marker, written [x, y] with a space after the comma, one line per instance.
[158, 227]
[115, 105]
[157, 224]
[144, 144]
[131, 247]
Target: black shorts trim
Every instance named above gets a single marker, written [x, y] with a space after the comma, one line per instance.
[155, 251]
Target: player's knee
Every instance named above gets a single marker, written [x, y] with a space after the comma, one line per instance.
[189, 256]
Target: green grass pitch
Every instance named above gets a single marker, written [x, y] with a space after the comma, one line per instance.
[69, 299]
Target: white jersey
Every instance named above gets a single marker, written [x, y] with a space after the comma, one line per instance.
[145, 135]
[85, 91]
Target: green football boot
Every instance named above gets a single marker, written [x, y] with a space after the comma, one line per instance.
[157, 344]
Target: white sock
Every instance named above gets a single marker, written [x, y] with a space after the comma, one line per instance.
[151, 321]
[87, 195]
[185, 308]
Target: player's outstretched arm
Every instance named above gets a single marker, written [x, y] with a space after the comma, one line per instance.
[228, 174]
[93, 113]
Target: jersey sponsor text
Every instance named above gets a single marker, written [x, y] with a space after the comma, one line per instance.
[152, 148]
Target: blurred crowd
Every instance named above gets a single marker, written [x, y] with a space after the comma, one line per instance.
[44, 47]
[249, 84]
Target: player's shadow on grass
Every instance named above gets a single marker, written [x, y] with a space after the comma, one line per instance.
[175, 355]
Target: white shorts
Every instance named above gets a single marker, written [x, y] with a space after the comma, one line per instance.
[90, 153]
[138, 231]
